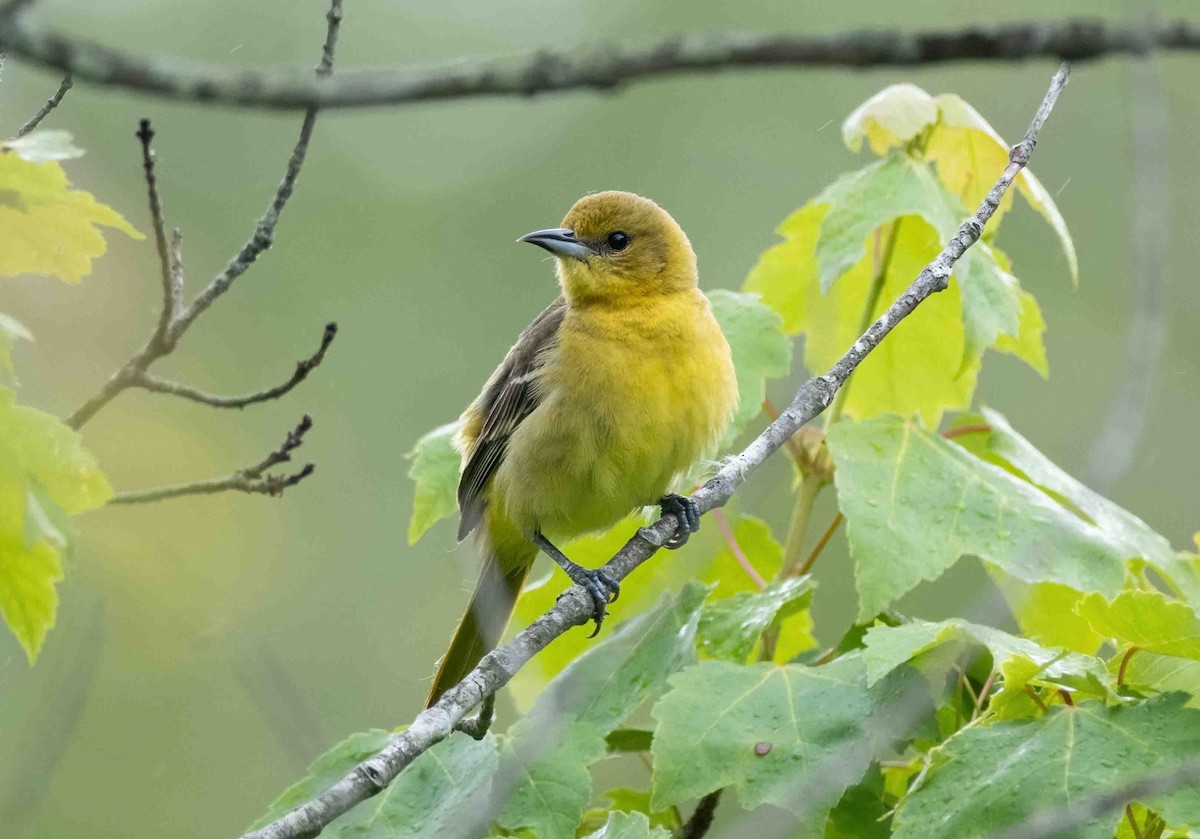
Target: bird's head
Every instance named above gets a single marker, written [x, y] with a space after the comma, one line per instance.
[616, 247]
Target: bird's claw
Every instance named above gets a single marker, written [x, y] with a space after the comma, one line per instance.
[688, 514]
[603, 590]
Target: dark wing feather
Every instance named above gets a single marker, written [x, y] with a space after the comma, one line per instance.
[508, 398]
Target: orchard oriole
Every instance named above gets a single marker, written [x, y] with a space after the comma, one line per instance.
[609, 396]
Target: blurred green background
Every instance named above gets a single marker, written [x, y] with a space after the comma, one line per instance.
[208, 648]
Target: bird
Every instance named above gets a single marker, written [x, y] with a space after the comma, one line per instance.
[607, 398]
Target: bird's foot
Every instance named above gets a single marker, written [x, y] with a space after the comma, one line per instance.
[601, 587]
[688, 513]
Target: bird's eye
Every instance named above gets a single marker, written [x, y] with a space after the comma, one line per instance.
[618, 240]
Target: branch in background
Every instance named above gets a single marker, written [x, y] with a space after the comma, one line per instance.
[1060, 820]
[253, 479]
[45, 110]
[574, 607]
[164, 339]
[156, 385]
[1115, 447]
[600, 67]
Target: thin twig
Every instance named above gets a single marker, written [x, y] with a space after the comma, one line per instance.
[1124, 664]
[820, 546]
[262, 238]
[166, 262]
[478, 727]
[594, 67]
[736, 549]
[574, 607]
[253, 479]
[50, 105]
[702, 817]
[154, 384]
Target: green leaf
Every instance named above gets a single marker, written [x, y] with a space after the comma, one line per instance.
[1153, 673]
[439, 794]
[48, 228]
[10, 331]
[967, 151]
[638, 801]
[761, 350]
[40, 146]
[822, 278]
[1019, 660]
[1046, 613]
[731, 628]
[434, 470]
[793, 736]
[45, 475]
[546, 759]
[1131, 536]
[862, 813]
[1028, 345]
[1147, 619]
[915, 503]
[629, 826]
[892, 117]
[1011, 770]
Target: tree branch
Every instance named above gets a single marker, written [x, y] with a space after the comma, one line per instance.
[574, 607]
[45, 110]
[164, 339]
[252, 479]
[167, 262]
[146, 381]
[598, 67]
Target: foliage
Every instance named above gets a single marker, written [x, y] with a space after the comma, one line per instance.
[45, 473]
[906, 727]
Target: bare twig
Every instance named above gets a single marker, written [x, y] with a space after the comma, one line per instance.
[807, 565]
[736, 550]
[574, 607]
[156, 385]
[600, 67]
[164, 339]
[253, 479]
[45, 110]
[478, 727]
[166, 261]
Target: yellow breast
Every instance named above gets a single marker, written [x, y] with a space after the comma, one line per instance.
[632, 396]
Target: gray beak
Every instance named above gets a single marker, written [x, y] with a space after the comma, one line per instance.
[560, 241]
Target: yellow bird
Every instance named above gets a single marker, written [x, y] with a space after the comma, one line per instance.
[607, 398]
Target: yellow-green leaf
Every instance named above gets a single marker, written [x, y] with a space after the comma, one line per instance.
[45, 473]
[10, 331]
[1147, 619]
[434, 471]
[48, 228]
[970, 155]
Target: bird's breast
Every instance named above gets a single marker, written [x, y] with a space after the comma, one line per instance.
[630, 399]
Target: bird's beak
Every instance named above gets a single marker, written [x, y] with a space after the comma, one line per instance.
[560, 241]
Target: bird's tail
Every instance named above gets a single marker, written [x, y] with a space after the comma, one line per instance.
[506, 563]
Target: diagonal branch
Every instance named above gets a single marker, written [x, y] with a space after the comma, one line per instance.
[596, 67]
[574, 607]
[164, 339]
[253, 479]
[152, 383]
[50, 105]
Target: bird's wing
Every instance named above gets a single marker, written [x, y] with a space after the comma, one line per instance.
[508, 398]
